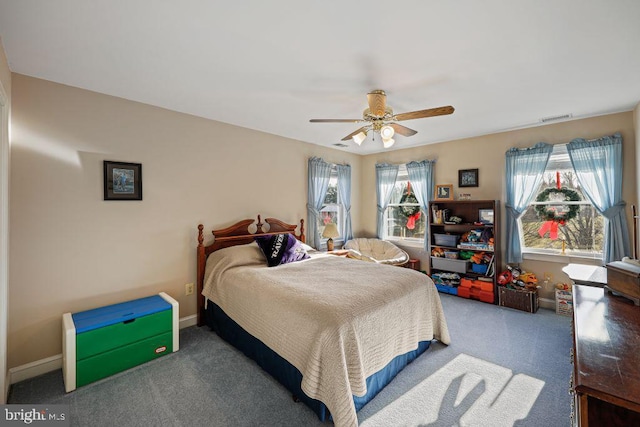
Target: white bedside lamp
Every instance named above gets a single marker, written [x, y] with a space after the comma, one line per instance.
[330, 231]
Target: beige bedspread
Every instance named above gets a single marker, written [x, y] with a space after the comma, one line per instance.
[337, 320]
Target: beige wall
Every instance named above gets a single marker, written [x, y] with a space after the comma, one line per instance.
[487, 154]
[5, 112]
[72, 251]
[5, 72]
[636, 125]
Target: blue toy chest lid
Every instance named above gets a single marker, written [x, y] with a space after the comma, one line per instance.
[104, 316]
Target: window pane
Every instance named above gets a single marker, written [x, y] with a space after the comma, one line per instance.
[332, 193]
[401, 224]
[582, 233]
[329, 213]
[398, 191]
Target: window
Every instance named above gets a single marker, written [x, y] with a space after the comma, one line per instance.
[403, 218]
[331, 211]
[582, 235]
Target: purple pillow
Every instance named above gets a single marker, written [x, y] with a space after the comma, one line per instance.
[281, 249]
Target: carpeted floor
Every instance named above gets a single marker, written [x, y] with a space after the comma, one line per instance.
[503, 368]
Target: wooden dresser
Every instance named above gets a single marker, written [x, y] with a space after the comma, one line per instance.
[606, 358]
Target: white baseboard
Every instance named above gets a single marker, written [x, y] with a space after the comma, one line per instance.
[185, 322]
[43, 366]
[547, 303]
[33, 369]
[7, 384]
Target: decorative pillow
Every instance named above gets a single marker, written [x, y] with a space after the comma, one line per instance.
[281, 249]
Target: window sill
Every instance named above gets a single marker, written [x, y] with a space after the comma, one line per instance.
[406, 242]
[561, 259]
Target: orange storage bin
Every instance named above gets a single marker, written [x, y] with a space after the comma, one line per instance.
[466, 283]
[484, 286]
[477, 284]
[475, 293]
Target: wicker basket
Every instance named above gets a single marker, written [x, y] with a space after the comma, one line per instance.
[519, 299]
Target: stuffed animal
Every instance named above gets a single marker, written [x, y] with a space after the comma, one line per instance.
[437, 252]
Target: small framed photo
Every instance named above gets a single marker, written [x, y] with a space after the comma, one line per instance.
[122, 181]
[485, 216]
[468, 178]
[444, 192]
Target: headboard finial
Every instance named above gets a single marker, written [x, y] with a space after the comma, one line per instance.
[200, 236]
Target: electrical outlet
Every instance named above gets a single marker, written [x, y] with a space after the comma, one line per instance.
[548, 277]
[188, 288]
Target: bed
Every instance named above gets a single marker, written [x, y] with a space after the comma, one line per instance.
[322, 325]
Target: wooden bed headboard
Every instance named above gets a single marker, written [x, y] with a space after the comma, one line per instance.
[237, 234]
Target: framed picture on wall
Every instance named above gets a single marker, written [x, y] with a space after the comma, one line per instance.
[444, 192]
[468, 178]
[122, 181]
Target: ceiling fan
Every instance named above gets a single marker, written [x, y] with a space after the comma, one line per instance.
[381, 119]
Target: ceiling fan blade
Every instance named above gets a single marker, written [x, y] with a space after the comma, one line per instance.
[348, 137]
[440, 111]
[336, 120]
[377, 102]
[403, 130]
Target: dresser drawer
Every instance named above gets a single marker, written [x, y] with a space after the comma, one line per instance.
[119, 359]
[120, 334]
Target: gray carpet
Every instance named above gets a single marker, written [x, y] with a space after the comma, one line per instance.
[503, 368]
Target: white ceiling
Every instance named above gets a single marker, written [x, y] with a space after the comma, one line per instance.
[273, 65]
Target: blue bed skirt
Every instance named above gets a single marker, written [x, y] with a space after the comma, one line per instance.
[287, 374]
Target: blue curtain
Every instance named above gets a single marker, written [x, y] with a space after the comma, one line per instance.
[319, 173]
[344, 199]
[524, 173]
[386, 175]
[421, 178]
[598, 166]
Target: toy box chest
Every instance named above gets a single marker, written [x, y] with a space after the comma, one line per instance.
[101, 342]
[519, 299]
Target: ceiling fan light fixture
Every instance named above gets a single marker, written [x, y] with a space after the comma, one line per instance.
[388, 142]
[386, 132]
[359, 137]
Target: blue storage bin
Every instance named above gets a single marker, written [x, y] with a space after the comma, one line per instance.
[479, 268]
[447, 289]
